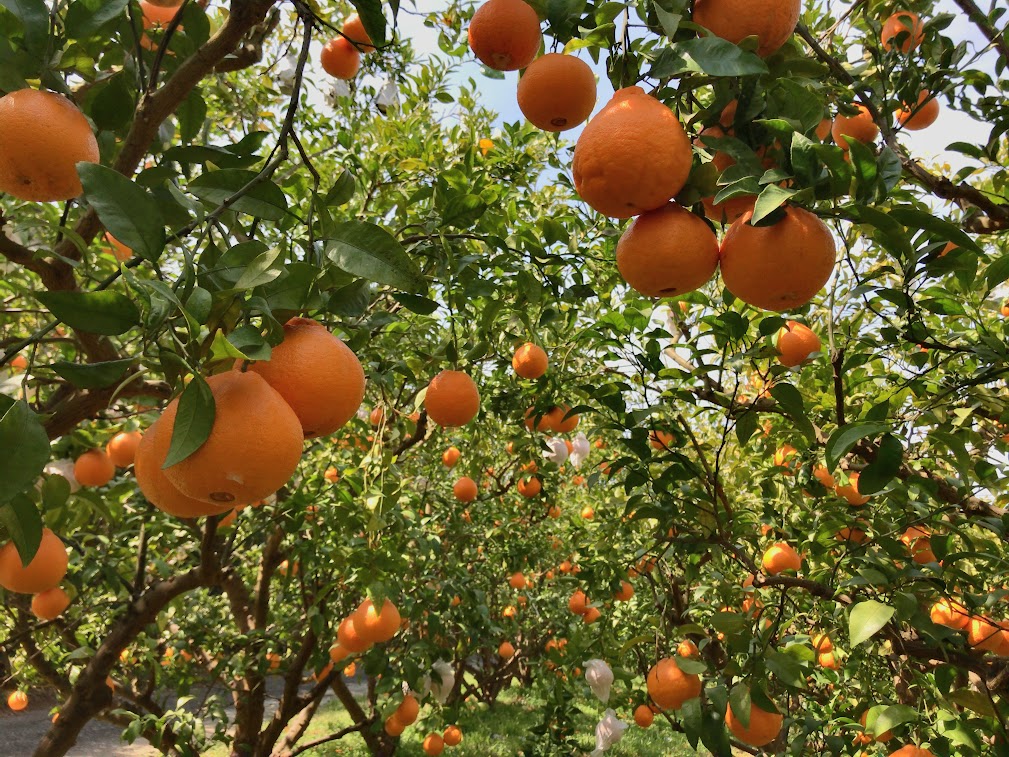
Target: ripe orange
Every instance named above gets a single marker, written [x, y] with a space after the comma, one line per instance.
[120, 251]
[780, 557]
[669, 687]
[338, 653]
[772, 21]
[452, 399]
[821, 474]
[530, 361]
[394, 726]
[452, 736]
[850, 491]
[17, 701]
[919, 544]
[332, 475]
[783, 456]
[543, 424]
[687, 648]
[643, 715]
[591, 615]
[778, 267]
[350, 671]
[632, 157]
[485, 145]
[763, 729]
[433, 745]
[158, 13]
[667, 252]
[348, 636]
[353, 29]
[253, 448]
[560, 422]
[823, 129]
[44, 136]
[156, 487]
[50, 604]
[44, 572]
[377, 626]
[18, 364]
[910, 750]
[465, 489]
[529, 487]
[852, 534]
[450, 457]
[376, 416]
[860, 127]
[505, 34]
[517, 581]
[506, 651]
[408, 710]
[949, 613]
[625, 592]
[908, 25]
[588, 513]
[796, 343]
[727, 211]
[985, 634]
[822, 643]
[921, 115]
[579, 603]
[94, 468]
[557, 92]
[660, 439]
[828, 660]
[316, 374]
[340, 58]
[122, 448]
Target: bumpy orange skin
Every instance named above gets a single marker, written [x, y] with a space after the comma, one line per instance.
[633, 156]
[669, 687]
[557, 92]
[44, 572]
[907, 23]
[530, 361]
[860, 127]
[778, 267]
[253, 449]
[340, 58]
[452, 399]
[772, 21]
[667, 252]
[316, 374]
[42, 138]
[763, 729]
[921, 115]
[505, 34]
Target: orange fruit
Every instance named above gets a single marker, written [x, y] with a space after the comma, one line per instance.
[332, 475]
[828, 660]
[465, 489]
[727, 211]
[796, 343]
[450, 457]
[908, 26]
[921, 115]
[560, 422]
[643, 715]
[822, 643]
[43, 572]
[777, 267]
[17, 701]
[783, 456]
[19, 363]
[823, 129]
[660, 439]
[669, 687]
[120, 251]
[860, 127]
[338, 653]
[353, 29]
[253, 448]
[393, 726]
[687, 648]
[377, 626]
[452, 736]
[632, 156]
[376, 416]
[505, 34]
[485, 145]
[852, 534]
[544, 422]
[517, 581]
[591, 615]
[44, 137]
[780, 557]
[340, 58]
[986, 634]
[588, 513]
[408, 710]
[530, 361]
[348, 636]
[918, 543]
[625, 592]
[579, 603]
[316, 374]
[883, 737]
[529, 487]
[850, 491]
[158, 13]
[351, 670]
[947, 612]
[506, 651]
[763, 729]
[50, 604]
[910, 750]
[821, 474]
[156, 487]
[667, 252]
[122, 448]
[434, 744]
[94, 468]
[557, 92]
[452, 399]
[771, 21]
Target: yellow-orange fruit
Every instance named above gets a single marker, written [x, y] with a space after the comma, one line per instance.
[771, 21]
[949, 613]
[643, 715]
[94, 468]
[687, 648]
[763, 729]
[349, 637]
[910, 750]
[821, 474]
[860, 127]
[828, 660]
[42, 138]
[560, 422]
[452, 399]
[919, 544]
[408, 710]
[465, 489]
[120, 251]
[122, 448]
[17, 701]
[505, 34]
[394, 726]
[633, 156]
[557, 92]
[450, 457]
[780, 557]
[45, 570]
[986, 634]
[592, 614]
[529, 487]
[340, 58]
[505, 650]
[517, 581]
[796, 342]
[353, 29]
[921, 115]
[452, 735]
[433, 744]
[530, 361]
[316, 374]
[850, 491]
[669, 687]
[778, 267]
[784, 454]
[579, 603]
[883, 737]
[377, 626]
[822, 643]
[50, 604]
[667, 252]
[903, 23]
[253, 448]
[660, 439]
[625, 592]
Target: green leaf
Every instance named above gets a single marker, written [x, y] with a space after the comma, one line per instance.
[21, 430]
[844, 438]
[342, 189]
[791, 402]
[786, 667]
[670, 21]
[85, 17]
[113, 106]
[129, 212]
[92, 375]
[264, 200]
[193, 421]
[882, 470]
[24, 524]
[746, 426]
[107, 313]
[770, 199]
[708, 55]
[34, 16]
[866, 619]
[250, 344]
[416, 303]
[371, 252]
[373, 19]
[262, 270]
[889, 718]
[739, 701]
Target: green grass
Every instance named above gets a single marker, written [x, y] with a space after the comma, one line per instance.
[497, 732]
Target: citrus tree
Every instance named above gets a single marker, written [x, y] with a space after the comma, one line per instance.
[319, 377]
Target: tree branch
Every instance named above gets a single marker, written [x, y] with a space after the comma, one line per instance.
[975, 14]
